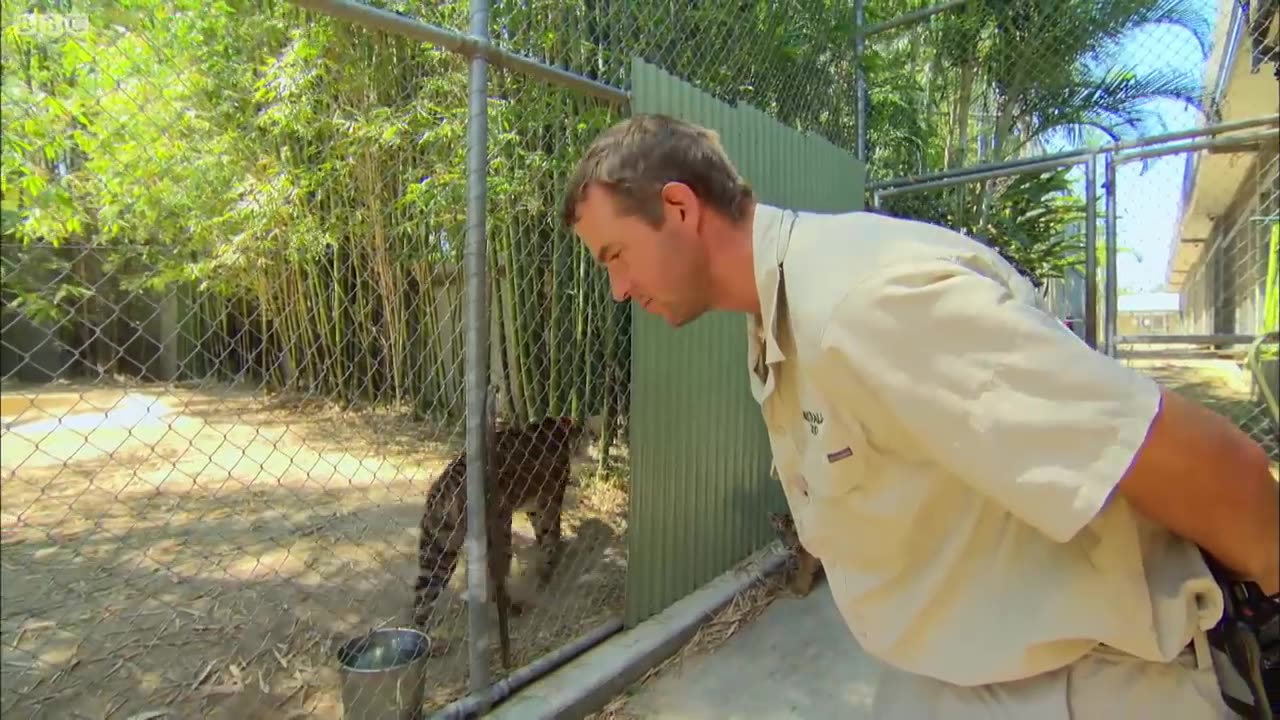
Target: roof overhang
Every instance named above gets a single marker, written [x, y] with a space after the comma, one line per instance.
[1214, 177]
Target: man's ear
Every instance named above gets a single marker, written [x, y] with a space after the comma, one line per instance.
[682, 199]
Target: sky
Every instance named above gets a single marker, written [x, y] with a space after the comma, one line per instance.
[1148, 198]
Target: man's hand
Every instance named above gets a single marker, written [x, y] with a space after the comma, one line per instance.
[1203, 478]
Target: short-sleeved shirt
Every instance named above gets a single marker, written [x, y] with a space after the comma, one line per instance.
[950, 451]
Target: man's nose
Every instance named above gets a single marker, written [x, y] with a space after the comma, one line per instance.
[619, 286]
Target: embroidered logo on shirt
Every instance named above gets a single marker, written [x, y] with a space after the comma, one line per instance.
[840, 455]
[814, 419]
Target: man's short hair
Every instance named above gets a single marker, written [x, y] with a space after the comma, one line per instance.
[636, 157]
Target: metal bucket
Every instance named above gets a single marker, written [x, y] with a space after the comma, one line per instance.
[382, 674]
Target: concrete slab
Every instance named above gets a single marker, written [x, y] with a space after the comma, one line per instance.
[796, 661]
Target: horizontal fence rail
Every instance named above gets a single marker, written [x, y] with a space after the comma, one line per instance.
[1141, 149]
[469, 45]
[1222, 339]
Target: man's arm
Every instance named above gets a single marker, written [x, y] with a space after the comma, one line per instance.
[1203, 478]
[1009, 400]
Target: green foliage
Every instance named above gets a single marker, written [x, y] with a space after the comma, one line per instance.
[1029, 224]
[999, 79]
[1034, 221]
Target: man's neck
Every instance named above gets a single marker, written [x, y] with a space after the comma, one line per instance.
[733, 272]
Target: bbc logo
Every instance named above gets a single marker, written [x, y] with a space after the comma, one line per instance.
[51, 25]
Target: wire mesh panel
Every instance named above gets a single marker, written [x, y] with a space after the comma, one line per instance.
[793, 60]
[233, 353]
[989, 81]
[233, 360]
[232, 241]
[1206, 322]
[559, 354]
[1036, 220]
[198, 543]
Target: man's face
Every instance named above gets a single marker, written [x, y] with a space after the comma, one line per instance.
[663, 269]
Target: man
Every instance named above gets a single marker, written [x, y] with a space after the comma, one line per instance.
[1007, 519]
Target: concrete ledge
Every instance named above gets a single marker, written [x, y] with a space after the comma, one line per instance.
[589, 682]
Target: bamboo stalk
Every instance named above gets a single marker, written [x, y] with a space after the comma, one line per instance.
[555, 338]
[507, 294]
[521, 318]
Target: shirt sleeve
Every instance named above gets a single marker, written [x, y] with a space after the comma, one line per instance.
[993, 389]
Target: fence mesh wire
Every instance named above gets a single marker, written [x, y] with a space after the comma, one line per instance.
[233, 355]
[233, 323]
[1220, 282]
[559, 348]
[792, 59]
[995, 80]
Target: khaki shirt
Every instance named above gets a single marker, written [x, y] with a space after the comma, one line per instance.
[948, 449]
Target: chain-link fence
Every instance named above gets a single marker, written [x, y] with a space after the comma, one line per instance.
[1216, 280]
[1039, 220]
[1211, 330]
[234, 360]
[238, 338]
[986, 82]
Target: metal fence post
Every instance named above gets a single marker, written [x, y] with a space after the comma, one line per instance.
[1091, 252]
[1112, 286]
[477, 360]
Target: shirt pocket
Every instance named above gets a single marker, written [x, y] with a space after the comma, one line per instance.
[834, 468]
[836, 461]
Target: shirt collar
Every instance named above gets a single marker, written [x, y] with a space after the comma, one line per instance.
[770, 236]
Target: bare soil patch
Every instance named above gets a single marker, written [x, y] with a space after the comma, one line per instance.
[203, 552]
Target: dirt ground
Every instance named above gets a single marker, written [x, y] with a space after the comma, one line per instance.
[191, 553]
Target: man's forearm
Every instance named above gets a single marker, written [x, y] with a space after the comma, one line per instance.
[1206, 480]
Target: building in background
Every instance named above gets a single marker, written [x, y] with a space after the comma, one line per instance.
[1152, 313]
[1225, 246]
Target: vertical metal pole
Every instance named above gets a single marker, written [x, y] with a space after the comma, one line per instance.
[1109, 319]
[477, 359]
[1091, 252]
[859, 78]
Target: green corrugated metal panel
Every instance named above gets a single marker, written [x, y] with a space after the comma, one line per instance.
[700, 487]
